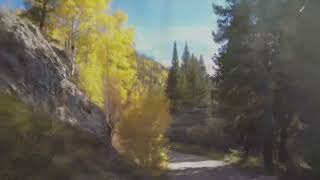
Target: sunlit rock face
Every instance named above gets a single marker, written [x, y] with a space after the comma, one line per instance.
[38, 73]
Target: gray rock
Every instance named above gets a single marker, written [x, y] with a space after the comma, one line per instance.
[38, 73]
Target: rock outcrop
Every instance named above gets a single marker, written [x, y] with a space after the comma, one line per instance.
[37, 73]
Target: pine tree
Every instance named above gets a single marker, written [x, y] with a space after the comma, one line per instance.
[243, 81]
[256, 77]
[193, 87]
[173, 78]
[39, 11]
[183, 79]
[192, 80]
[203, 66]
[305, 49]
[185, 57]
[204, 80]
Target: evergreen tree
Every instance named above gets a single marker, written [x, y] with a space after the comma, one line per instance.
[305, 50]
[204, 79]
[184, 79]
[38, 11]
[185, 57]
[195, 84]
[187, 87]
[243, 80]
[192, 80]
[172, 82]
[262, 72]
[203, 66]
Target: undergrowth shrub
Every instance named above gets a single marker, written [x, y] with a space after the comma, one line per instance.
[141, 131]
[35, 147]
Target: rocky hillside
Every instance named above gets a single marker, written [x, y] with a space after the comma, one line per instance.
[150, 72]
[37, 73]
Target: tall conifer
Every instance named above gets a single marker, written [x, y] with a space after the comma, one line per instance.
[172, 83]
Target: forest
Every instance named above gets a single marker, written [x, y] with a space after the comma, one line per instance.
[257, 112]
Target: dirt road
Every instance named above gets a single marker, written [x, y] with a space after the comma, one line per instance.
[191, 167]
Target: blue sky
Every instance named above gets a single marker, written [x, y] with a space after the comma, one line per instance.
[12, 3]
[159, 22]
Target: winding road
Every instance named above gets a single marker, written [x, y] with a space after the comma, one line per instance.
[191, 167]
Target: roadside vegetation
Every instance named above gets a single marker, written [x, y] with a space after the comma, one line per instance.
[34, 147]
[264, 93]
[105, 64]
[259, 110]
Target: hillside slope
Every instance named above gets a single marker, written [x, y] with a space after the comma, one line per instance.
[151, 73]
[31, 69]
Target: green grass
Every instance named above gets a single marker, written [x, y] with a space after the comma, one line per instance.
[239, 158]
[233, 157]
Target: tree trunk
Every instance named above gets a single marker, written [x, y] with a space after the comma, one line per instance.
[268, 144]
[267, 130]
[43, 16]
[42, 22]
[283, 153]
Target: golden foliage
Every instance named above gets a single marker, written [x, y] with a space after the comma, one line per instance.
[151, 73]
[104, 48]
[112, 77]
[142, 128]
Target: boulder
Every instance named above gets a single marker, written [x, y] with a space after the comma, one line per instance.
[38, 74]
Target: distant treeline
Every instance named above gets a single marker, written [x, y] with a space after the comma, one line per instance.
[188, 82]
